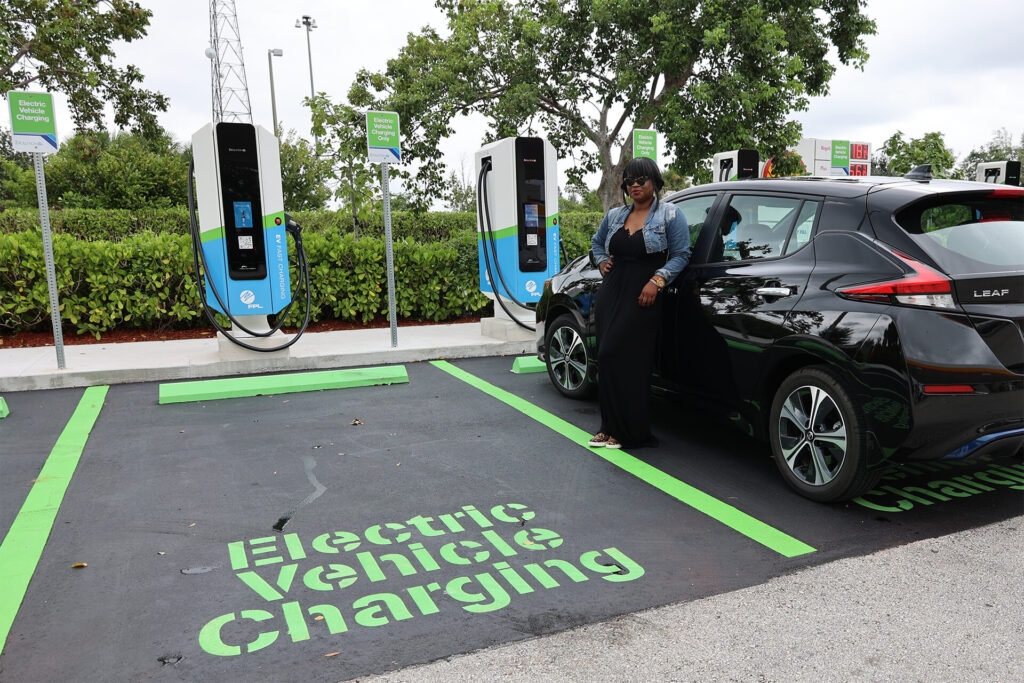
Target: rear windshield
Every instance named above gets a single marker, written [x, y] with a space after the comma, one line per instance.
[969, 233]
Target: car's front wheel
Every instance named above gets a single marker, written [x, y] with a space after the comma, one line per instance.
[818, 436]
[569, 364]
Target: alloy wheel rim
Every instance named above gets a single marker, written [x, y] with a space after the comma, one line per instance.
[812, 435]
[568, 358]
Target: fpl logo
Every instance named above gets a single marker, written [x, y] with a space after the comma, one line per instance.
[531, 286]
[247, 296]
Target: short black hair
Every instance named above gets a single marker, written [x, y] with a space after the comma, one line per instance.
[644, 166]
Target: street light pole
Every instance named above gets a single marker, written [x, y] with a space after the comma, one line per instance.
[310, 24]
[274, 52]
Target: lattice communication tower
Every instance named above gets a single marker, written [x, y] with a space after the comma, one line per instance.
[229, 89]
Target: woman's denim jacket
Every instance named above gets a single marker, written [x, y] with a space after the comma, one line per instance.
[665, 228]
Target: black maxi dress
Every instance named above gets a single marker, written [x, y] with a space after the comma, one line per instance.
[626, 340]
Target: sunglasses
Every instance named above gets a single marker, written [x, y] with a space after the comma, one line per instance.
[639, 180]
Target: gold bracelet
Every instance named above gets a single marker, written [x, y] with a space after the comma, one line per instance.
[658, 282]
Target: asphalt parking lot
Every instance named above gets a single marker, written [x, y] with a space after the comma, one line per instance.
[333, 534]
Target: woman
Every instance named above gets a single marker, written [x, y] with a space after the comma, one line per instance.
[640, 248]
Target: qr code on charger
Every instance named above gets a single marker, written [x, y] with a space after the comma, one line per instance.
[245, 242]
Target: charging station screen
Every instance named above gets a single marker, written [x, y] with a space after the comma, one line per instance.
[243, 215]
[240, 189]
[531, 216]
[531, 202]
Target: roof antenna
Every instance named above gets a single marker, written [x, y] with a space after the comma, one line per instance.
[921, 173]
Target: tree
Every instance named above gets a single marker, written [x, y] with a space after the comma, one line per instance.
[67, 46]
[899, 156]
[102, 171]
[305, 177]
[709, 75]
[462, 195]
[999, 148]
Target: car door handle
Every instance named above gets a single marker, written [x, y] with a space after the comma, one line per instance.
[774, 291]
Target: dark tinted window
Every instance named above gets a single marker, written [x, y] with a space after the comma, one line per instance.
[696, 211]
[969, 233]
[756, 227]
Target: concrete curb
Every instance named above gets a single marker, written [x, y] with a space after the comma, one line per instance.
[93, 364]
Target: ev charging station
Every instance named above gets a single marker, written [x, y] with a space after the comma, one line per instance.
[999, 172]
[240, 237]
[517, 226]
[736, 164]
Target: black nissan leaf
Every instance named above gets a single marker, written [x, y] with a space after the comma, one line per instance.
[850, 322]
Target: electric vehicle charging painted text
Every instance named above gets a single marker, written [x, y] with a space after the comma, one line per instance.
[518, 231]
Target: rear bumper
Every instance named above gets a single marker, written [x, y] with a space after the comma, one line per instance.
[1003, 442]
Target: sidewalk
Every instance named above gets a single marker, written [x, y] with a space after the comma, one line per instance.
[91, 364]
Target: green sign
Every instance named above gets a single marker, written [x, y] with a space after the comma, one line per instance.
[645, 144]
[33, 123]
[841, 153]
[383, 138]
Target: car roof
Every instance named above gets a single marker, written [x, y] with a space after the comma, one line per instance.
[840, 186]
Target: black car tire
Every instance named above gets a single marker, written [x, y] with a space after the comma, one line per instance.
[570, 367]
[825, 461]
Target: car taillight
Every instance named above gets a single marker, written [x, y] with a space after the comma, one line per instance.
[924, 287]
[1007, 192]
[948, 389]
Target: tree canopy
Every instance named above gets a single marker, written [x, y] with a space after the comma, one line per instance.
[709, 75]
[999, 148]
[67, 46]
[899, 156]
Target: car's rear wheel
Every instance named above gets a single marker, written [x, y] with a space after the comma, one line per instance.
[570, 366]
[818, 436]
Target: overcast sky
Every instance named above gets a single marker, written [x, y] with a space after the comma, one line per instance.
[936, 65]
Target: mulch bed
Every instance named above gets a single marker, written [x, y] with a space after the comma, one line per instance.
[29, 339]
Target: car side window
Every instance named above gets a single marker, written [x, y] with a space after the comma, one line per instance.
[696, 211]
[755, 227]
[804, 226]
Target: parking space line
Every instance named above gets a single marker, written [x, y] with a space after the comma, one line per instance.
[25, 540]
[739, 521]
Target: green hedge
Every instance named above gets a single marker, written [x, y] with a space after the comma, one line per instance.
[146, 280]
[117, 224]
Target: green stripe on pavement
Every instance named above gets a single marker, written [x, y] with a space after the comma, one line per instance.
[23, 545]
[741, 522]
[4, 410]
[525, 364]
[237, 387]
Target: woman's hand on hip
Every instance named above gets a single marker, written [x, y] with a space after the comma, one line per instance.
[648, 295]
[605, 266]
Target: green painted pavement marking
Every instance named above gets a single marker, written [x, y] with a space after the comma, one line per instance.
[525, 364]
[23, 545]
[4, 410]
[750, 527]
[237, 387]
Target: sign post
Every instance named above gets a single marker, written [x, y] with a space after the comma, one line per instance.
[645, 144]
[34, 130]
[384, 146]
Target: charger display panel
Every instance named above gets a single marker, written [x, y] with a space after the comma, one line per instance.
[532, 212]
[238, 163]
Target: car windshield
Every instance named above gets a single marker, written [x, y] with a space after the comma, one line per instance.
[969, 233]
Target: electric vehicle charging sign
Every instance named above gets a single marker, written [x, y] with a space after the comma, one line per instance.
[33, 123]
[383, 138]
[645, 144]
